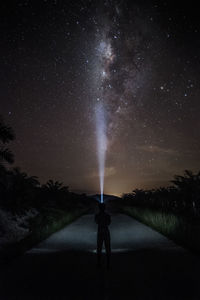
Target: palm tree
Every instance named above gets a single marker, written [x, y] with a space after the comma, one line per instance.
[55, 186]
[6, 135]
[138, 196]
[22, 177]
[188, 186]
[21, 190]
[54, 194]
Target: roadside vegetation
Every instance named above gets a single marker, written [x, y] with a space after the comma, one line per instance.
[173, 211]
[31, 211]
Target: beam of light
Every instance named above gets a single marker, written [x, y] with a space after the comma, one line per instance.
[105, 57]
[101, 143]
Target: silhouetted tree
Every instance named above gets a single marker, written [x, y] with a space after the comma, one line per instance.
[53, 193]
[188, 187]
[182, 198]
[6, 135]
[21, 190]
[54, 186]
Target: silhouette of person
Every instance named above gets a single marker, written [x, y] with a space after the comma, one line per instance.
[103, 234]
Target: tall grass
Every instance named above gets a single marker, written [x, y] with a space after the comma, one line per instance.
[182, 230]
[52, 220]
[42, 226]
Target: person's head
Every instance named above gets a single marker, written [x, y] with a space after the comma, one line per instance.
[102, 207]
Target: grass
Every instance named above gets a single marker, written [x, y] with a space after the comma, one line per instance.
[177, 228]
[42, 226]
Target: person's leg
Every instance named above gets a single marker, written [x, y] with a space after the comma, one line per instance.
[99, 248]
[108, 248]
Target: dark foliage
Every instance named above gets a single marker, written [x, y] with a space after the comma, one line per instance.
[181, 198]
[6, 135]
[20, 192]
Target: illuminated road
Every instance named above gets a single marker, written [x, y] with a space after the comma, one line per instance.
[145, 265]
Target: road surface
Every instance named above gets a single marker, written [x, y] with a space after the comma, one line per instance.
[144, 265]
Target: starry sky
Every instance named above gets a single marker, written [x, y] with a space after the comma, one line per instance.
[139, 60]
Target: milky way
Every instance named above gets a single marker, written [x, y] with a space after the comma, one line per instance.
[139, 60]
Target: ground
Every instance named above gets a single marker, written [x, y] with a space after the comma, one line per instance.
[144, 265]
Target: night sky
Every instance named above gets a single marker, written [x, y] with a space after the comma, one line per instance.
[140, 60]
